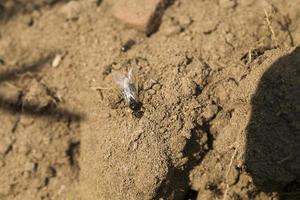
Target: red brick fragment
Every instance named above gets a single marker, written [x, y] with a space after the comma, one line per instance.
[144, 15]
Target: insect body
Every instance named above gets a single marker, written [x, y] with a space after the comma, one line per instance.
[129, 89]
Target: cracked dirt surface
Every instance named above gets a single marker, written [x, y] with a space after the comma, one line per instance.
[219, 83]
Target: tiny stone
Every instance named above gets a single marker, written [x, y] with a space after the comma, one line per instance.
[156, 87]
[151, 91]
[187, 135]
[172, 30]
[148, 85]
[56, 60]
[209, 26]
[188, 38]
[184, 21]
[204, 139]
[210, 112]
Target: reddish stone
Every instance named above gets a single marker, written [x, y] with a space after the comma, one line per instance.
[142, 14]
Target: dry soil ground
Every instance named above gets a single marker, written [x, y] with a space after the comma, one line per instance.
[220, 86]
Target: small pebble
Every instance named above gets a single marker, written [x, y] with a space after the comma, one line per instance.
[184, 21]
[151, 91]
[56, 60]
[209, 26]
[210, 111]
[172, 30]
[156, 86]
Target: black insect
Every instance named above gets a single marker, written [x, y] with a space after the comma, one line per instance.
[129, 89]
[125, 47]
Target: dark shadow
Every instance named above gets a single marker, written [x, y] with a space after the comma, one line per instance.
[176, 185]
[51, 110]
[273, 132]
[191, 195]
[155, 21]
[11, 8]
[34, 67]
[34, 109]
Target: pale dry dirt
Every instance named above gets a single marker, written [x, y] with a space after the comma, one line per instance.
[220, 86]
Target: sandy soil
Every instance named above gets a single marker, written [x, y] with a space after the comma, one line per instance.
[219, 82]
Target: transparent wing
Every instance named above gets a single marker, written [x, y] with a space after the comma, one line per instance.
[133, 79]
[119, 79]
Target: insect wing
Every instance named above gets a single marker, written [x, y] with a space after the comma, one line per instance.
[119, 79]
[126, 84]
[133, 80]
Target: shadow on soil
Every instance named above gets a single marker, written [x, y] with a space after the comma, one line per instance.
[11, 8]
[16, 105]
[273, 132]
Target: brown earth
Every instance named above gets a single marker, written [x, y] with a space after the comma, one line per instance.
[219, 82]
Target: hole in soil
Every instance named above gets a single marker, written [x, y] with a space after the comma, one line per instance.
[191, 195]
